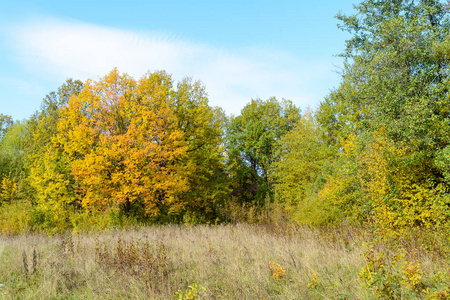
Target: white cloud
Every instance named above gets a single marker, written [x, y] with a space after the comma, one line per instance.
[57, 48]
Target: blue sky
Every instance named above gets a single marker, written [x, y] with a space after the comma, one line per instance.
[239, 49]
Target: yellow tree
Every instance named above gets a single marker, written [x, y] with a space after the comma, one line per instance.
[123, 143]
[140, 147]
[49, 177]
[302, 155]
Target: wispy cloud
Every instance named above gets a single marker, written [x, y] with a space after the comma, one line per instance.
[61, 48]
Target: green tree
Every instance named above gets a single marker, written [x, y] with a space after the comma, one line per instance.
[252, 146]
[393, 98]
[394, 77]
[5, 122]
[13, 153]
[203, 132]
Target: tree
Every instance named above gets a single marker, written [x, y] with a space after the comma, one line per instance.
[203, 132]
[394, 76]
[48, 179]
[139, 147]
[252, 143]
[5, 122]
[13, 155]
[43, 124]
[297, 172]
[122, 141]
[394, 94]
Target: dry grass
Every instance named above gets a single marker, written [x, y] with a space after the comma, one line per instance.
[171, 262]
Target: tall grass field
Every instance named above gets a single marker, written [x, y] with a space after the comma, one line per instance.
[224, 262]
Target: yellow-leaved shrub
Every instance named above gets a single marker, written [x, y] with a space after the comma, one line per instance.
[399, 187]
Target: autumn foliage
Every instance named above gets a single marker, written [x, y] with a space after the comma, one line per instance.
[143, 149]
[121, 151]
[122, 142]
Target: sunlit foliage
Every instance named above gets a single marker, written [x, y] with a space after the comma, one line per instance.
[141, 147]
[252, 146]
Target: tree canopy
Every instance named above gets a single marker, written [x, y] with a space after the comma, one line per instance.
[149, 150]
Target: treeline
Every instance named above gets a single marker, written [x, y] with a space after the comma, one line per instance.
[123, 151]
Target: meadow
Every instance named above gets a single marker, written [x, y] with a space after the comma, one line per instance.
[110, 190]
[223, 262]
